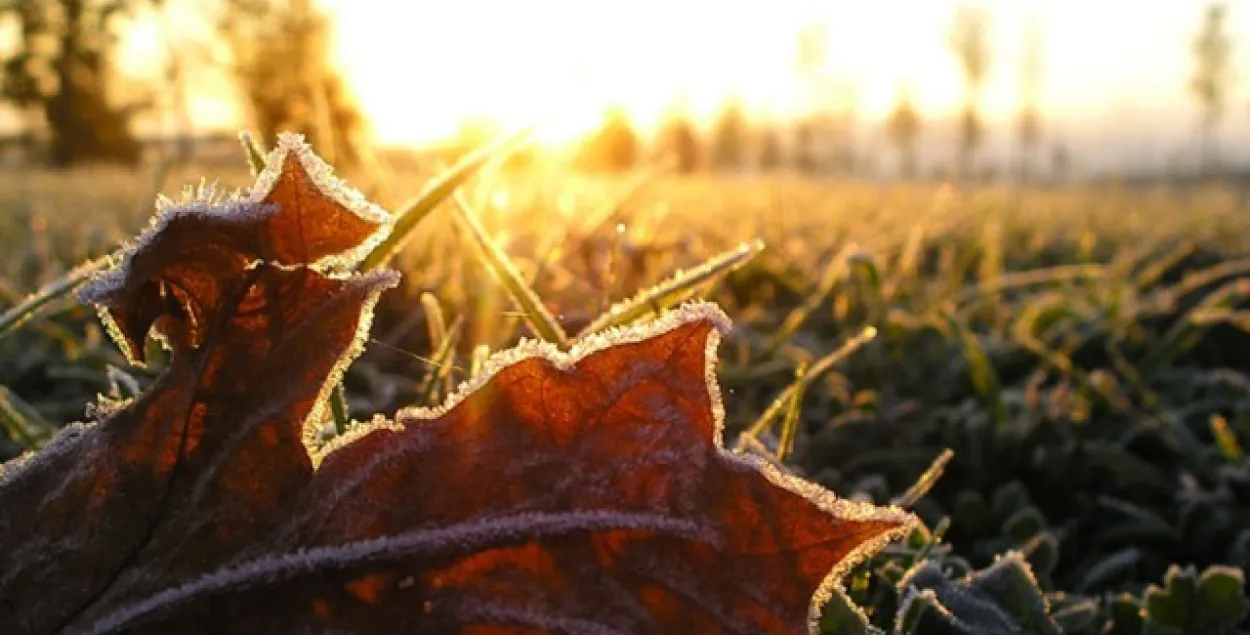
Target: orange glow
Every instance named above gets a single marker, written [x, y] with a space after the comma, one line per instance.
[422, 69]
[558, 63]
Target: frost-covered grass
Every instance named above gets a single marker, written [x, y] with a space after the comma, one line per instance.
[1082, 351]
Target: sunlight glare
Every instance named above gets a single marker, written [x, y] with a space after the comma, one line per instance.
[422, 69]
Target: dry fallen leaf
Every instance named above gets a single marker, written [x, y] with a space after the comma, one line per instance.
[586, 492]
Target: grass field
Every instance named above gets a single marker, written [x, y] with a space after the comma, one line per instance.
[1082, 351]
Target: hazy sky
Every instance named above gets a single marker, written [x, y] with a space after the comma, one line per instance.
[506, 57]
[420, 66]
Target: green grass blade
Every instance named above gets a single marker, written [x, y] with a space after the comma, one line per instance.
[438, 191]
[255, 156]
[987, 289]
[816, 371]
[339, 410]
[1185, 332]
[829, 279]
[15, 317]
[1154, 270]
[673, 290]
[436, 325]
[868, 275]
[14, 424]
[1194, 281]
[1025, 334]
[441, 364]
[481, 353]
[984, 378]
[526, 300]
[906, 266]
[790, 424]
[22, 422]
[926, 481]
[1225, 438]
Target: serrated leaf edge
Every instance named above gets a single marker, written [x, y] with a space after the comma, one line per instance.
[683, 315]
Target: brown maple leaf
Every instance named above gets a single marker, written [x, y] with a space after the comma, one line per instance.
[586, 492]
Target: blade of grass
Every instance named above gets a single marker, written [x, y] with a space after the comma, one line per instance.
[441, 363]
[1165, 299]
[30, 428]
[1154, 270]
[816, 371]
[609, 275]
[436, 325]
[926, 481]
[790, 424]
[987, 289]
[1185, 332]
[984, 378]
[438, 191]
[526, 300]
[1225, 438]
[255, 156]
[828, 281]
[673, 290]
[20, 314]
[339, 410]
[14, 424]
[480, 354]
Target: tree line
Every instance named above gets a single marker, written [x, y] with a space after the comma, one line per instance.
[794, 145]
[62, 79]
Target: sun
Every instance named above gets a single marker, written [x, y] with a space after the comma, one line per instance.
[420, 69]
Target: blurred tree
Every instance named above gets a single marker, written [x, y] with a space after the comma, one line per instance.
[771, 153]
[729, 136]
[614, 146]
[805, 145]
[811, 66]
[1060, 162]
[64, 69]
[844, 96]
[1212, 50]
[903, 129]
[969, 42]
[280, 52]
[1029, 119]
[176, 98]
[680, 140]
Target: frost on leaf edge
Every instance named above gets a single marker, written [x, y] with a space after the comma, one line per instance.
[204, 203]
[688, 313]
[375, 282]
[378, 281]
[209, 201]
[65, 438]
[323, 178]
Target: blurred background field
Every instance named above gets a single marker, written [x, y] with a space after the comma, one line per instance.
[1056, 277]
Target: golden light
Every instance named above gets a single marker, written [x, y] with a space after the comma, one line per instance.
[560, 63]
[422, 69]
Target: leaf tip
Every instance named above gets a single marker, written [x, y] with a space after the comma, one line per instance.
[366, 222]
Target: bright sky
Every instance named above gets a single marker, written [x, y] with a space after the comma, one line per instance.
[420, 67]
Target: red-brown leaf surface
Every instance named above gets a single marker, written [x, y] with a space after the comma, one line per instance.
[586, 492]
